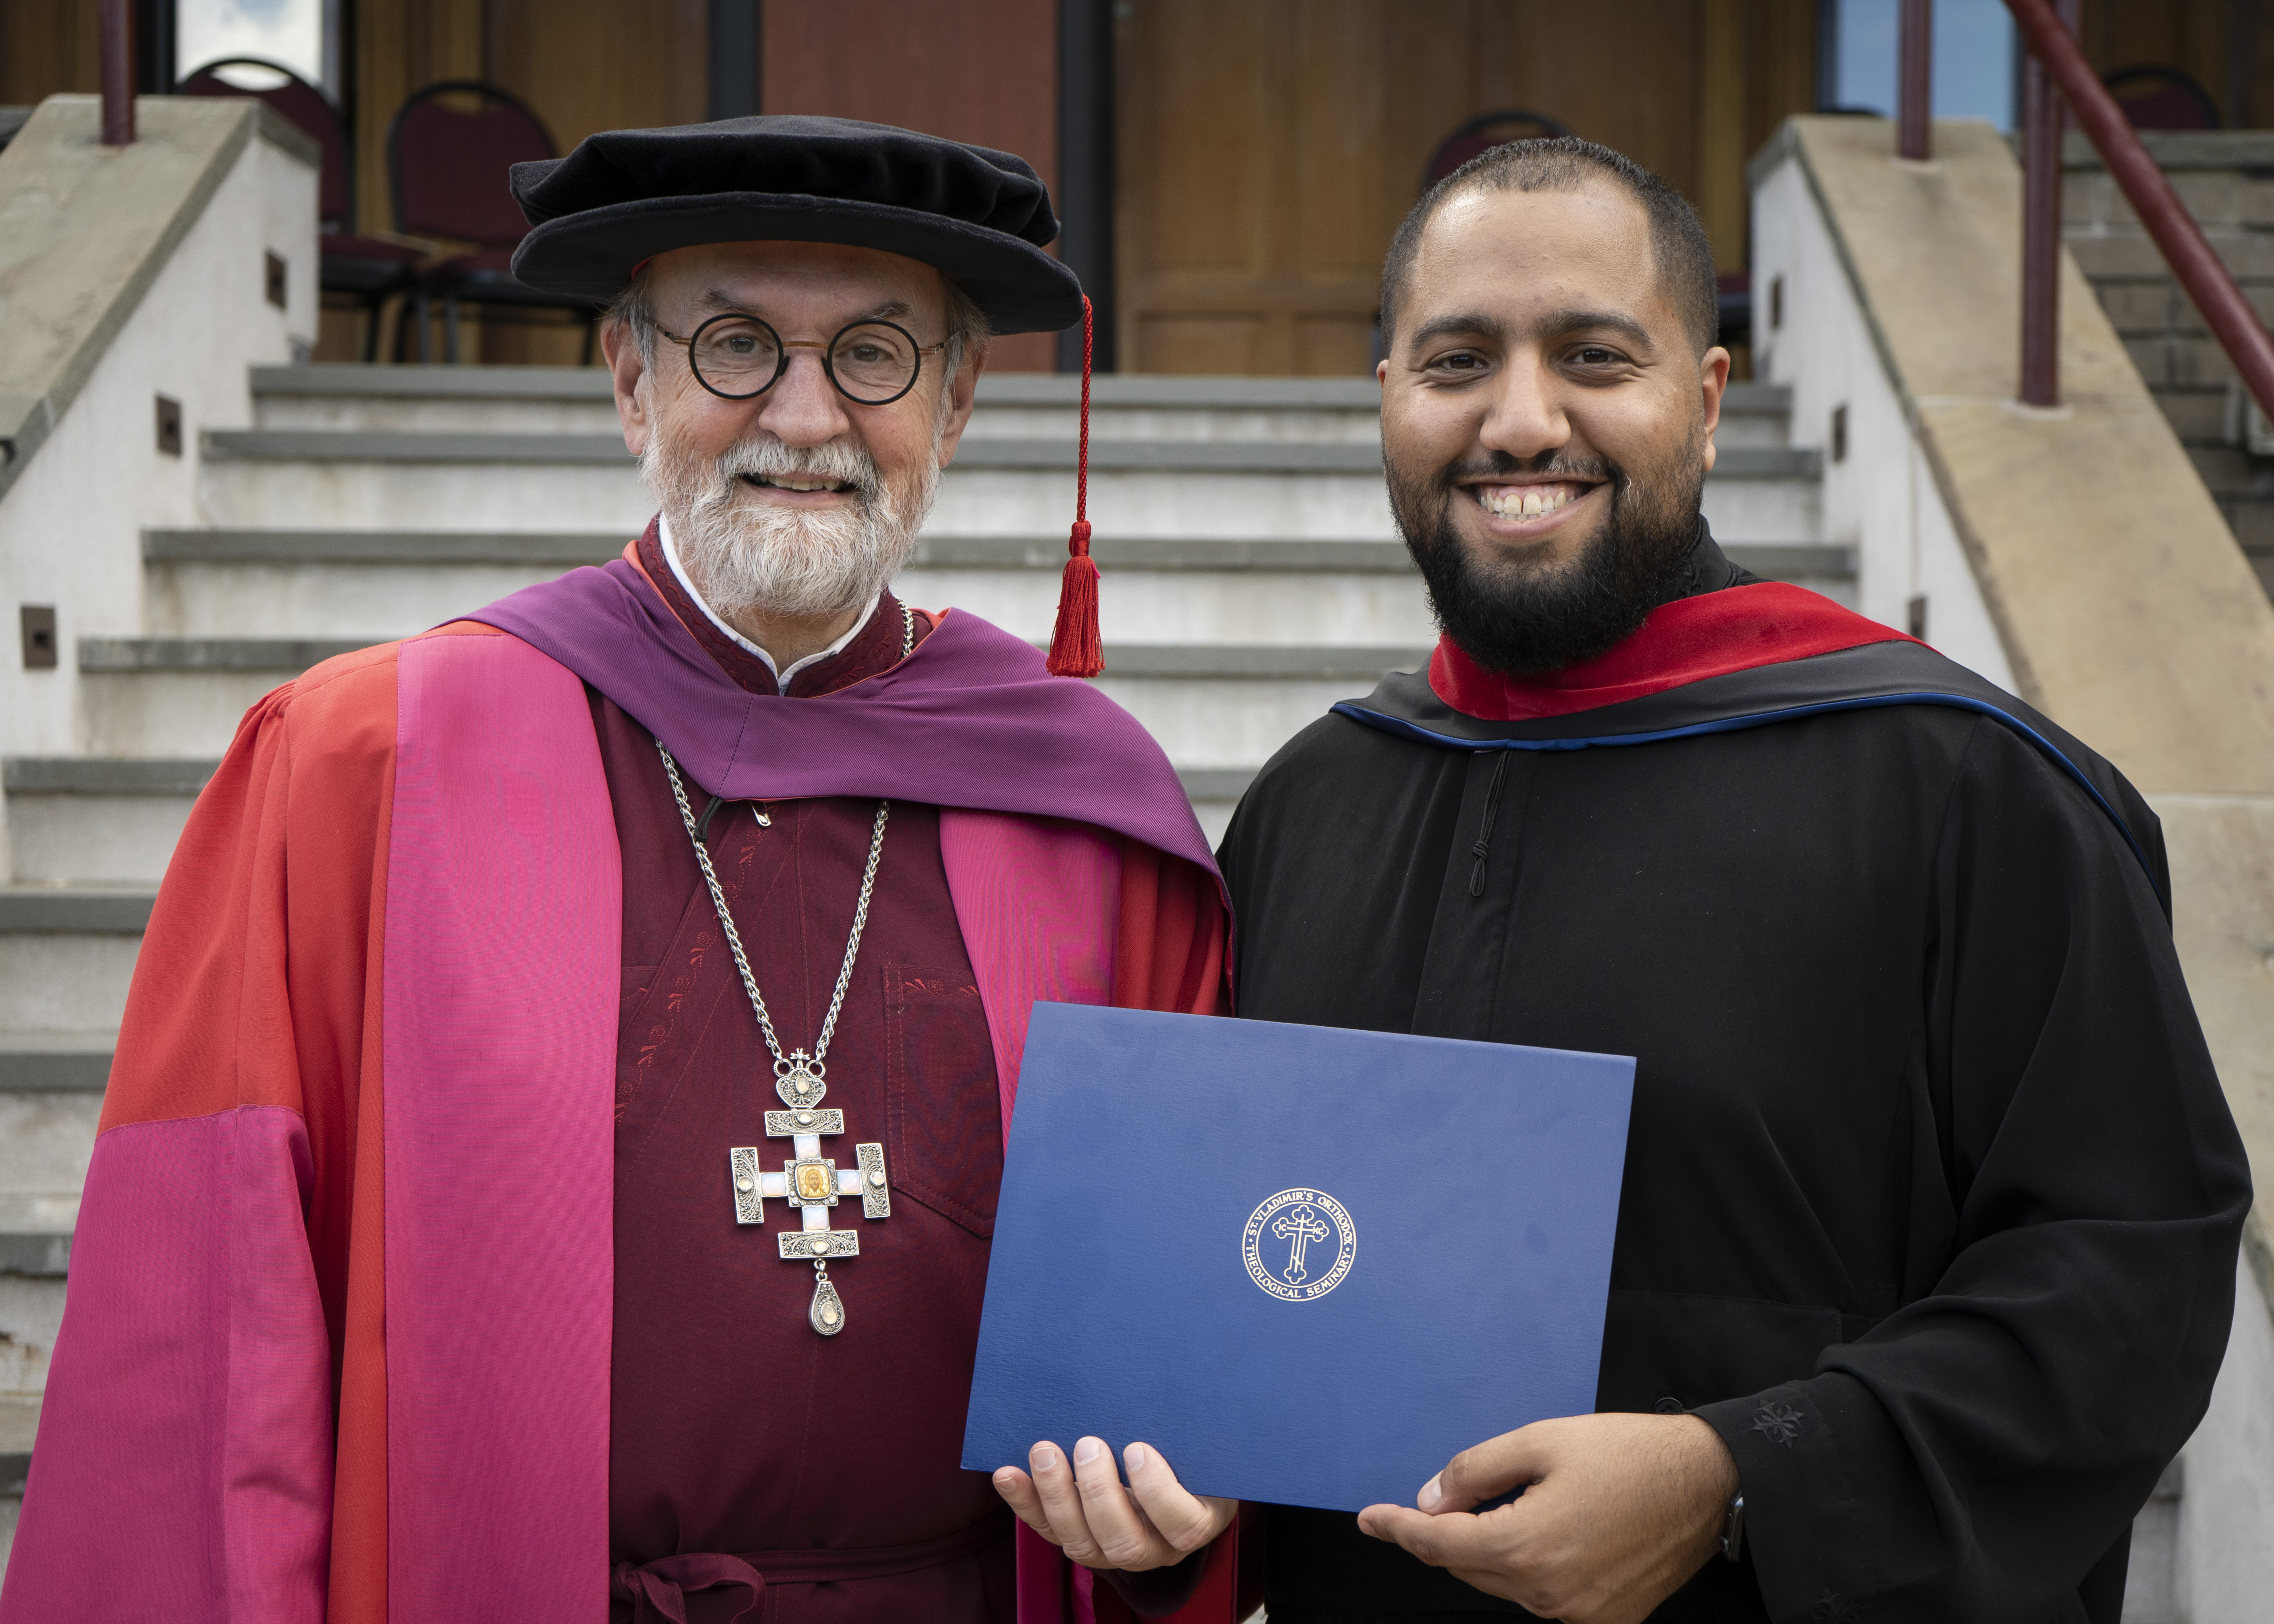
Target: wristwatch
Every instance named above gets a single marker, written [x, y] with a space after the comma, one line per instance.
[1733, 1530]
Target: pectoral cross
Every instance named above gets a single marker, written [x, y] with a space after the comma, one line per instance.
[813, 1183]
[1302, 1226]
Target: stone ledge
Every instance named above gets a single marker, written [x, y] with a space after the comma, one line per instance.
[72, 910]
[19, 1423]
[407, 446]
[1216, 782]
[1253, 660]
[1781, 561]
[56, 1061]
[36, 1237]
[35, 1256]
[89, 231]
[1173, 553]
[2183, 149]
[608, 450]
[105, 775]
[1006, 453]
[1108, 390]
[575, 383]
[258, 547]
[119, 656]
[2248, 256]
[446, 382]
[152, 656]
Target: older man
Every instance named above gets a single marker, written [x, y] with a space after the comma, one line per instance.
[549, 1164]
[1926, 1240]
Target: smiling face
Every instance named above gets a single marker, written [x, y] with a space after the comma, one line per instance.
[1547, 422]
[796, 504]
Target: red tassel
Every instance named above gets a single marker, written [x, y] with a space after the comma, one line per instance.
[1076, 648]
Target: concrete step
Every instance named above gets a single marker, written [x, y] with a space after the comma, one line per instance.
[94, 818]
[67, 955]
[1231, 707]
[160, 696]
[345, 584]
[562, 494]
[19, 1423]
[291, 479]
[36, 1230]
[145, 695]
[450, 447]
[57, 1063]
[579, 400]
[556, 399]
[35, 1237]
[139, 851]
[16, 1432]
[1129, 407]
[46, 1137]
[225, 583]
[2151, 1580]
[1215, 793]
[31, 1312]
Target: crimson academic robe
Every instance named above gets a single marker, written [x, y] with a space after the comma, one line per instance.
[338, 1339]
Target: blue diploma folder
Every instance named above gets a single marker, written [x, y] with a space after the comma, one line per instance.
[1309, 1265]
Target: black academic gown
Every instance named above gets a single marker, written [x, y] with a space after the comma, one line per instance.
[1932, 1197]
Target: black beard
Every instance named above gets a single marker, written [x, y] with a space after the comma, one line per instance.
[1523, 620]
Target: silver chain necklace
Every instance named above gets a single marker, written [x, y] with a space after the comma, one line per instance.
[809, 1181]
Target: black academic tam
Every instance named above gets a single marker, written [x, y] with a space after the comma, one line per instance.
[1932, 1197]
[981, 217]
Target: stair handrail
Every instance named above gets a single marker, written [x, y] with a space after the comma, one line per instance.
[2173, 230]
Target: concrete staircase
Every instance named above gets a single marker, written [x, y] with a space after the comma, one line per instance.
[1251, 578]
[2225, 179]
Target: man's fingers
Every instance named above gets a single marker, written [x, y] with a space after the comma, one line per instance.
[1184, 1519]
[1486, 1471]
[1062, 1505]
[1118, 1527]
[1453, 1539]
[1018, 1492]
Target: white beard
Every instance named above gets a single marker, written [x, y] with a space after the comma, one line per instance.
[749, 556]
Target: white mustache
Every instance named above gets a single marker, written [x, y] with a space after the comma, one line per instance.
[838, 461]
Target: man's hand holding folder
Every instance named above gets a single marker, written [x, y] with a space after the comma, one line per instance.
[1616, 1511]
[1084, 1510]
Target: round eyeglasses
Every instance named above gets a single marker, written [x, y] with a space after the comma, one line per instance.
[738, 357]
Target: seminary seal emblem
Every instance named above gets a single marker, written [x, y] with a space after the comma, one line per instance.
[1298, 1244]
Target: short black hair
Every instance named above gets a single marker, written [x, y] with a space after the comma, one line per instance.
[1566, 163]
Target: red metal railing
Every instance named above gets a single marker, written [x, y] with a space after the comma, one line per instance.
[2041, 220]
[2057, 71]
[117, 54]
[2168, 224]
[1915, 82]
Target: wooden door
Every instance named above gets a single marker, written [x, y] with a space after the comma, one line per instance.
[1267, 149]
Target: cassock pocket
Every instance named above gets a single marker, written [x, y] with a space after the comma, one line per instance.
[1672, 1349]
[943, 1117]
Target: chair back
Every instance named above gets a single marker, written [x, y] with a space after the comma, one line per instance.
[1481, 134]
[447, 151]
[2157, 98]
[306, 108]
